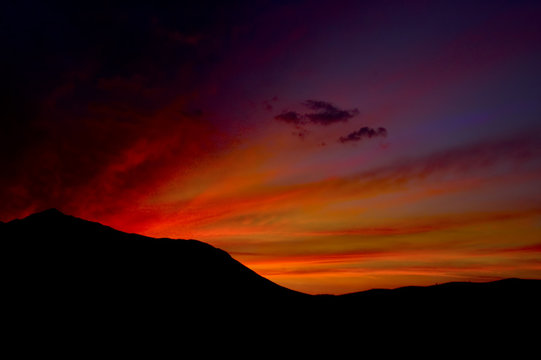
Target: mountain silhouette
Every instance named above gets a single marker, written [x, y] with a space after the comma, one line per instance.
[69, 251]
[62, 268]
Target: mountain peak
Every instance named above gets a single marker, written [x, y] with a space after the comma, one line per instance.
[55, 242]
[48, 214]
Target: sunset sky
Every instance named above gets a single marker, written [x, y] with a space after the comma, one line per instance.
[330, 146]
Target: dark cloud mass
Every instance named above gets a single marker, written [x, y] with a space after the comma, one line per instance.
[364, 132]
[327, 113]
[291, 117]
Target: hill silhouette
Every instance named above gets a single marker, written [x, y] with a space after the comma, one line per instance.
[62, 268]
[69, 251]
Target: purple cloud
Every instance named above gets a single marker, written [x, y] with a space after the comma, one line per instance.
[364, 132]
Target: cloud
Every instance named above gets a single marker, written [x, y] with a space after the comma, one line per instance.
[364, 132]
[327, 113]
[291, 117]
[324, 113]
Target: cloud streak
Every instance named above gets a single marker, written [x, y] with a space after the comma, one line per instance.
[218, 210]
[323, 113]
[362, 133]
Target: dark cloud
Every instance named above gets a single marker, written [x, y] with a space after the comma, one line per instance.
[364, 132]
[324, 113]
[327, 113]
[291, 117]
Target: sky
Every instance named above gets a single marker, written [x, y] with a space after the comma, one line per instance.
[330, 146]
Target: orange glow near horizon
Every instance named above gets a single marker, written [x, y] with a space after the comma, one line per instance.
[415, 222]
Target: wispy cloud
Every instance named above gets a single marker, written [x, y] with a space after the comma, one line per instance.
[217, 210]
[364, 132]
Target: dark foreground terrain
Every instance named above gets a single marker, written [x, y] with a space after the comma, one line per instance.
[68, 273]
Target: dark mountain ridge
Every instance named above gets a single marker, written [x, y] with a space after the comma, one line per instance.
[75, 250]
[73, 268]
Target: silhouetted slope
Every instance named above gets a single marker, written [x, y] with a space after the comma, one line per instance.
[58, 259]
[454, 297]
[59, 266]
[518, 287]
